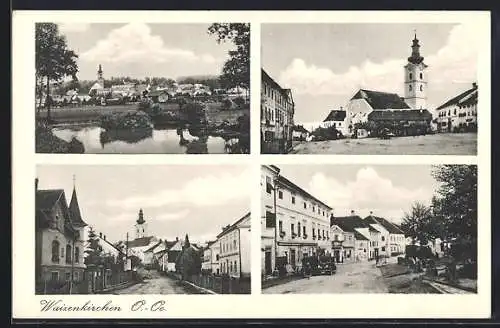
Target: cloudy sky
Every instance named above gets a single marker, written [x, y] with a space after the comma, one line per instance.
[139, 50]
[176, 199]
[387, 190]
[325, 64]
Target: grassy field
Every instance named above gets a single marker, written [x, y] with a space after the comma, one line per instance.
[435, 144]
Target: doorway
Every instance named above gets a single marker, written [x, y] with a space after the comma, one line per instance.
[268, 263]
[292, 258]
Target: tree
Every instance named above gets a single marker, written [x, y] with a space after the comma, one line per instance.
[418, 224]
[236, 70]
[53, 59]
[94, 249]
[456, 202]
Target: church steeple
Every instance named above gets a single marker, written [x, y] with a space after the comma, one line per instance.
[415, 81]
[100, 78]
[140, 226]
[140, 220]
[415, 57]
[74, 209]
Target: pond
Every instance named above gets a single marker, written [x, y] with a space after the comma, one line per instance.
[147, 141]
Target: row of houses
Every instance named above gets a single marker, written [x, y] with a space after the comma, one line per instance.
[296, 224]
[230, 253]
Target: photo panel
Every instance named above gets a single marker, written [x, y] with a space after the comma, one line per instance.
[364, 229]
[142, 88]
[369, 88]
[147, 229]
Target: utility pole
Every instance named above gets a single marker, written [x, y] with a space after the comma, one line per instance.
[126, 255]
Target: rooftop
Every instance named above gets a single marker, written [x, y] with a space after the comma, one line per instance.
[381, 100]
[455, 100]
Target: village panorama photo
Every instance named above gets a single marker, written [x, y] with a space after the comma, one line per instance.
[145, 230]
[402, 229]
[142, 88]
[369, 89]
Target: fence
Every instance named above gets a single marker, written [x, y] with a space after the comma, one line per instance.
[219, 284]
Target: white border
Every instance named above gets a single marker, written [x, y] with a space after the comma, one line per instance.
[26, 304]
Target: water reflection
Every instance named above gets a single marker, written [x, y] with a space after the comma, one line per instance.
[149, 141]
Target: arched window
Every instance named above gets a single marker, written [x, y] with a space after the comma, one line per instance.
[421, 75]
[55, 251]
[421, 88]
[411, 76]
[68, 254]
[409, 87]
[77, 254]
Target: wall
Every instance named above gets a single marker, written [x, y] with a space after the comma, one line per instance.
[416, 96]
[356, 106]
[246, 253]
[47, 237]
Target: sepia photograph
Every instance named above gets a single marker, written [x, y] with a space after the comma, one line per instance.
[369, 89]
[145, 230]
[140, 88]
[400, 229]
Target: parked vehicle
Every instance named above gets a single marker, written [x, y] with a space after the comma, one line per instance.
[326, 265]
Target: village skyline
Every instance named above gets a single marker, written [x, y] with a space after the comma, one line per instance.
[366, 188]
[140, 50]
[324, 72]
[175, 201]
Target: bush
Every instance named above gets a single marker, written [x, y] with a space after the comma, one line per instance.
[239, 101]
[227, 104]
[193, 113]
[330, 133]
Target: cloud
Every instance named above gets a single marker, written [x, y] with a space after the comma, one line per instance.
[73, 27]
[210, 190]
[456, 61]
[135, 42]
[173, 215]
[368, 192]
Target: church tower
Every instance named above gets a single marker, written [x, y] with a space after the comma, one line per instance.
[140, 226]
[100, 78]
[415, 78]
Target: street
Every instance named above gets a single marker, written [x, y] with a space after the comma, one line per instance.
[435, 144]
[156, 285]
[361, 277]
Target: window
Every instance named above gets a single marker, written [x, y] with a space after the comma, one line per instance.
[54, 276]
[216, 257]
[281, 226]
[68, 254]
[270, 220]
[280, 194]
[314, 209]
[293, 199]
[409, 87]
[55, 251]
[383, 238]
[235, 267]
[304, 230]
[305, 205]
[292, 228]
[383, 249]
[76, 276]
[298, 229]
[234, 244]
[421, 75]
[411, 77]
[231, 267]
[77, 255]
[68, 276]
[269, 187]
[421, 88]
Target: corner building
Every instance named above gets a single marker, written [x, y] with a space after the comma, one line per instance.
[294, 223]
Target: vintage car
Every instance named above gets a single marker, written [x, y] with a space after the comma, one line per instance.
[326, 265]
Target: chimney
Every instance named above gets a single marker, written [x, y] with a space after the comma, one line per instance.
[474, 85]
[36, 184]
[352, 212]
[104, 237]
[100, 234]
[371, 213]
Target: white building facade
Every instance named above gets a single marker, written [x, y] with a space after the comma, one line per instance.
[294, 223]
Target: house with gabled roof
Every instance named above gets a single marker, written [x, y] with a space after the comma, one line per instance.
[336, 118]
[59, 241]
[396, 242]
[459, 112]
